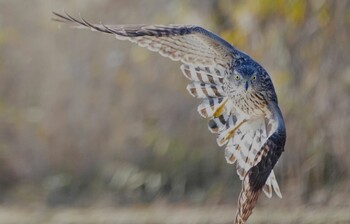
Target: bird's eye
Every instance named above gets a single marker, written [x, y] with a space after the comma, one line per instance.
[237, 77]
[254, 77]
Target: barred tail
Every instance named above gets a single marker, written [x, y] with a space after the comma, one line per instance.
[246, 202]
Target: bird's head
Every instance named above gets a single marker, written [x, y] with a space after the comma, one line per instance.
[246, 78]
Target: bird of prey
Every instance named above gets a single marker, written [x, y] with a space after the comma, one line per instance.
[237, 96]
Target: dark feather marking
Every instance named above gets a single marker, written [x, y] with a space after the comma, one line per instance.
[222, 120]
[211, 102]
[215, 91]
[211, 79]
[199, 76]
[212, 125]
[204, 89]
[243, 136]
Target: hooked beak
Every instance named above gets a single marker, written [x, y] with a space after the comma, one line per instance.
[246, 85]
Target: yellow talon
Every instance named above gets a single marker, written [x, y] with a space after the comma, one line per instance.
[218, 111]
[232, 132]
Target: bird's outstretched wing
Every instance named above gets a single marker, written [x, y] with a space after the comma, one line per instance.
[207, 61]
[186, 43]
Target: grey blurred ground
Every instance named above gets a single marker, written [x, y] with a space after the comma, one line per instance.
[87, 121]
[171, 215]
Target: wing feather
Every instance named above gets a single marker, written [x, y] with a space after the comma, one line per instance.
[217, 124]
[209, 75]
[203, 90]
[246, 147]
[189, 44]
[210, 106]
[260, 176]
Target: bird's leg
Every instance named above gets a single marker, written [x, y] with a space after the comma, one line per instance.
[235, 128]
[220, 109]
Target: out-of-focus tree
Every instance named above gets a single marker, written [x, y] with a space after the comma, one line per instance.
[84, 116]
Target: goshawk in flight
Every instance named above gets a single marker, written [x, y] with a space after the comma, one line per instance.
[237, 96]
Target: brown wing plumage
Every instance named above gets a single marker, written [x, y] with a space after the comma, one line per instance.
[186, 43]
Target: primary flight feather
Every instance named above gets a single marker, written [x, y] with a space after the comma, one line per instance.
[237, 96]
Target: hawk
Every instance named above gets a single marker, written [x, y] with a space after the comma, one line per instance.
[237, 96]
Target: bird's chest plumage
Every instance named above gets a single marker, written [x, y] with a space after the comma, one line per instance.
[249, 103]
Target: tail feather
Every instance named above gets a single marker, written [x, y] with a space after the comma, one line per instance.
[271, 183]
[275, 184]
[267, 189]
[246, 202]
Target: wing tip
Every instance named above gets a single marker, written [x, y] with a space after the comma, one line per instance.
[267, 189]
[191, 89]
[230, 159]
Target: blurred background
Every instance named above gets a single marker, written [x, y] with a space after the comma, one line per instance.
[92, 124]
